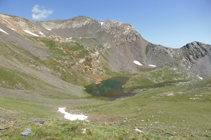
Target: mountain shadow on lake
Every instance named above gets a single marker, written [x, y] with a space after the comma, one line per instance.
[111, 88]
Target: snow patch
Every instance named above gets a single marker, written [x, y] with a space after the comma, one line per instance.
[41, 33]
[137, 63]
[48, 29]
[71, 117]
[199, 77]
[127, 28]
[101, 23]
[31, 33]
[3, 31]
[13, 29]
[152, 65]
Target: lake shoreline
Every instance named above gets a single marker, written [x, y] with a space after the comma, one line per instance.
[110, 88]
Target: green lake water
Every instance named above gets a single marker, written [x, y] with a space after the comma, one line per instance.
[111, 88]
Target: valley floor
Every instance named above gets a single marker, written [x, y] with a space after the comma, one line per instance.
[172, 112]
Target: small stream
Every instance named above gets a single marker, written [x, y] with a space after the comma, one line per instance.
[111, 88]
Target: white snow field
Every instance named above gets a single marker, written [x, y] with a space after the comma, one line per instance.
[152, 65]
[71, 117]
[137, 63]
[199, 77]
[31, 33]
[3, 31]
[41, 33]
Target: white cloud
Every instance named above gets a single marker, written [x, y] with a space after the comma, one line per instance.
[39, 12]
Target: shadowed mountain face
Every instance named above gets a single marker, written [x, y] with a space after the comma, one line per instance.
[118, 44]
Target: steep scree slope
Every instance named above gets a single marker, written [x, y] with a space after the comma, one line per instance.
[118, 43]
[125, 42]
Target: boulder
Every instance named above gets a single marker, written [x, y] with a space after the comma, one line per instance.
[26, 132]
[40, 121]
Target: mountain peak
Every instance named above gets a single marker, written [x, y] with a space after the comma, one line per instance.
[125, 43]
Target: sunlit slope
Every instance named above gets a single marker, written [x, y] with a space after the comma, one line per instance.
[159, 77]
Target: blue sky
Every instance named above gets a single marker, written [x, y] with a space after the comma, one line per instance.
[172, 23]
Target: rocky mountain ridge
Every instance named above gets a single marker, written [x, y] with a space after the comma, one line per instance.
[194, 57]
[118, 43]
[197, 58]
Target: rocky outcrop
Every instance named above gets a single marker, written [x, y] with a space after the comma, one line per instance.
[159, 55]
[26, 132]
[192, 52]
[196, 57]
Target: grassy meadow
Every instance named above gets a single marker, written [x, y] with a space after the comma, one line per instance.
[170, 103]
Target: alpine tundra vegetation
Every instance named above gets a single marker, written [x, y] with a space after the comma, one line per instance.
[46, 68]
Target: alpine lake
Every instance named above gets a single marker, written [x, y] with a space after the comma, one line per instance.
[110, 88]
